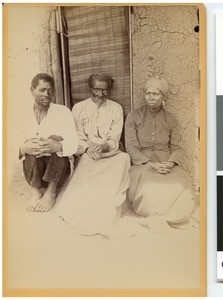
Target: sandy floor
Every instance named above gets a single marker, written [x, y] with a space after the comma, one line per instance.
[44, 253]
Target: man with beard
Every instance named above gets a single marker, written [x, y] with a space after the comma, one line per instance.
[49, 138]
[92, 201]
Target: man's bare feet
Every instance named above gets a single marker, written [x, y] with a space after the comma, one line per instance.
[49, 198]
[45, 203]
[36, 196]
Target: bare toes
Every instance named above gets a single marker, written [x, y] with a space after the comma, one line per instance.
[47, 203]
[32, 203]
[29, 208]
[38, 207]
[44, 208]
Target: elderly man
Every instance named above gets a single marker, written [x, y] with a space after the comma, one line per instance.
[49, 138]
[92, 201]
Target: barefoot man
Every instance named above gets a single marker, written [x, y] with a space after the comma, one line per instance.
[49, 138]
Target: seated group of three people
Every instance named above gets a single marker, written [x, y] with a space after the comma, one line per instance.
[156, 185]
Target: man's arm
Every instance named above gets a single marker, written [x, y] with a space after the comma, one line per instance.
[35, 147]
[114, 134]
[83, 141]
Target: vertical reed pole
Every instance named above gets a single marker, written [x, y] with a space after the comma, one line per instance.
[130, 59]
[64, 69]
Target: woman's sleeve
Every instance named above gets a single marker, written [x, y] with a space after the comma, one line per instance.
[176, 151]
[131, 142]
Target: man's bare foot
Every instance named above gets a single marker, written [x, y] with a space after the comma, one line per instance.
[36, 196]
[45, 203]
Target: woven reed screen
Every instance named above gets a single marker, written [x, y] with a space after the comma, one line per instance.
[99, 43]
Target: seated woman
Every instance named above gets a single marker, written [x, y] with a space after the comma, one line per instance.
[93, 198]
[159, 189]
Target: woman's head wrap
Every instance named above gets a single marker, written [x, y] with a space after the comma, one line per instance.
[160, 84]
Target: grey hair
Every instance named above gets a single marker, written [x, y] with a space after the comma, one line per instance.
[101, 77]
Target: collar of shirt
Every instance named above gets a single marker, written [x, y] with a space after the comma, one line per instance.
[100, 105]
[154, 115]
[39, 114]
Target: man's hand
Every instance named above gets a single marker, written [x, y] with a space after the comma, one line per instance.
[94, 151]
[35, 147]
[54, 145]
[105, 147]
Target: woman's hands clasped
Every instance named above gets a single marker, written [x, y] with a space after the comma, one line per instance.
[163, 167]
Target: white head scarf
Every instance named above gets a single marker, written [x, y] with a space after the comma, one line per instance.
[160, 84]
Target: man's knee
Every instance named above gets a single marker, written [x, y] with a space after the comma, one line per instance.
[55, 160]
[57, 168]
[31, 162]
[33, 169]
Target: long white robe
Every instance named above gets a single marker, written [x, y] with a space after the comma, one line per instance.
[92, 201]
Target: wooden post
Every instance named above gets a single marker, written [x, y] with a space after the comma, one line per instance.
[64, 61]
[56, 64]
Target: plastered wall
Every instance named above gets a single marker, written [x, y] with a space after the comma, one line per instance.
[27, 49]
[165, 43]
[28, 43]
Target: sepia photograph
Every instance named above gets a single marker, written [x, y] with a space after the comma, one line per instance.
[104, 151]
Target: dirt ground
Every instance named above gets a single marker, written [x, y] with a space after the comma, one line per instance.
[44, 253]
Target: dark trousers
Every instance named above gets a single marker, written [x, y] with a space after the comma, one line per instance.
[40, 171]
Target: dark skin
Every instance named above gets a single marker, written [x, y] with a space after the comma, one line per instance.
[43, 95]
[154, 98]
[100, 94]
[39, 147]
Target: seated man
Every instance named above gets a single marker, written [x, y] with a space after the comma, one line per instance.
[49, 138]
[91, 203]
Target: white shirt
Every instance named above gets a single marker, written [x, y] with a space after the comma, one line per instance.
[58, 121]
[98, 124]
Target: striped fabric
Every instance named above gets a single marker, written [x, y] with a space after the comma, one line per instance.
[99, 43]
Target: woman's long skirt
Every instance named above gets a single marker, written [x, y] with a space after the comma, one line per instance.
[153, 194]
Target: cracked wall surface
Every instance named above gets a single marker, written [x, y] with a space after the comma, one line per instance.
[165, 44]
